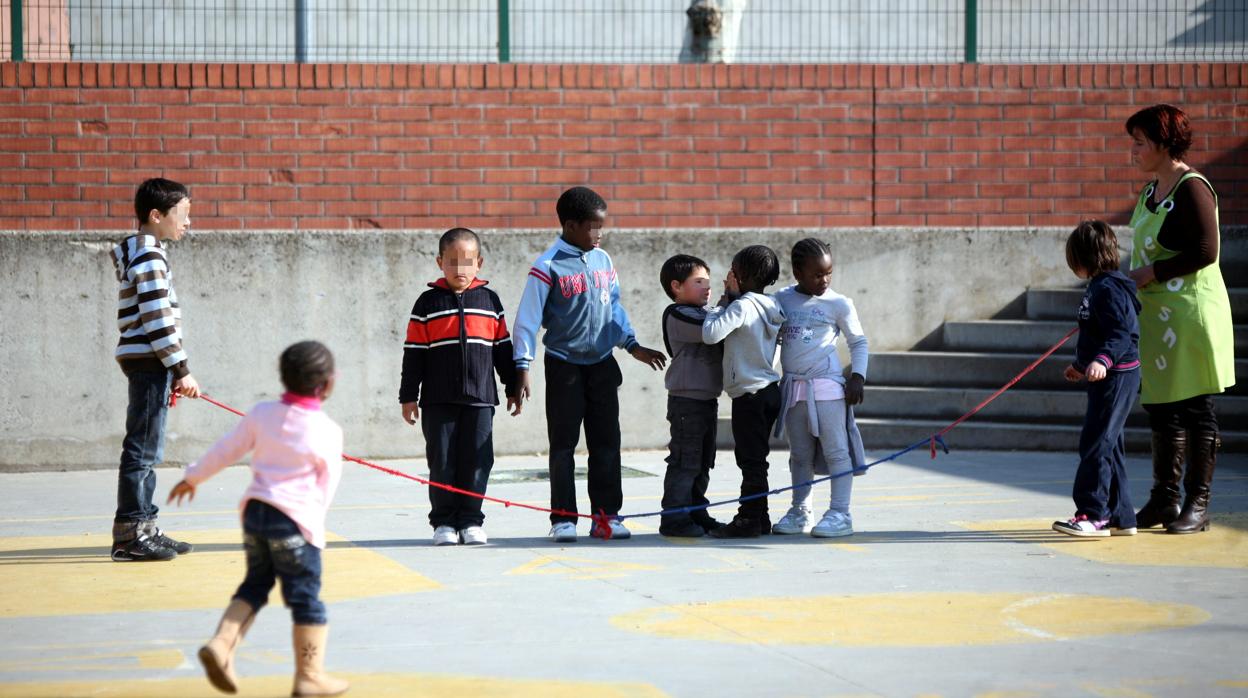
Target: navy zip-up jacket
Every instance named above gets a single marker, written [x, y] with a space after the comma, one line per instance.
[1109, 326]
[455, 344]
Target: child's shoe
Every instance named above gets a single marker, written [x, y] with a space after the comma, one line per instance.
[310, 676]
[682, 529]
[834, 524]
[141, 549]
[740, 527]
[217, 655]
[445, 535]
[154, 532]
[473, 535]
[563, 532]
[705, 520]
[1083, 527]
[618, 532]
[796, 521]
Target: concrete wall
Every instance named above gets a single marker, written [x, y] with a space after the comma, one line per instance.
[246, 295]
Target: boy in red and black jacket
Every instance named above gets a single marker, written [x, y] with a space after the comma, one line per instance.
[456, 339]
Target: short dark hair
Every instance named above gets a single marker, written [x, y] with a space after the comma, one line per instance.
[454, 235]
[1092, 247]
[160, 194]
[678, 268]
[1166, 125]
[756, 267]
[306, 366]
[810, 248]
[579, 204]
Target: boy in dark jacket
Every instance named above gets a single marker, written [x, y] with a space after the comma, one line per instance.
[456, 340]
[1108, 356]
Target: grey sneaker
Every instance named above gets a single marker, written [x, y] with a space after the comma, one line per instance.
[834, 524]
[796, 521]
[142, 549]
[563, 532]
[153, 531]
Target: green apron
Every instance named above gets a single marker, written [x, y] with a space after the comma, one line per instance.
[1187, 344]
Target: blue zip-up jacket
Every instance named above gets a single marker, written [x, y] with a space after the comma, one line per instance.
[575, 295]
[1109, 325]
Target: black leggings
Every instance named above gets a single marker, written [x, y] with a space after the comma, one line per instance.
[1192, 414]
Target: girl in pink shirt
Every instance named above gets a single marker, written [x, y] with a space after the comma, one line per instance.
[296, 464]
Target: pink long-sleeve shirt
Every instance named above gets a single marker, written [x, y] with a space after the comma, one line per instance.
[296, 460]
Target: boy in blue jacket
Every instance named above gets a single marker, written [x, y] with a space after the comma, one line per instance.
[572, 291]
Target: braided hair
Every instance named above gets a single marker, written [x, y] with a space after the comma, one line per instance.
[808, 249]
[756, 267]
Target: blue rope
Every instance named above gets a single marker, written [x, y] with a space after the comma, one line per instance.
[862, 469]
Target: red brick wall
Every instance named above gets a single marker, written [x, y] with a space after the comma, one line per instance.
[342, 146]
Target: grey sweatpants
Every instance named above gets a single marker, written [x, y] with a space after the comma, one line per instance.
[832, 441]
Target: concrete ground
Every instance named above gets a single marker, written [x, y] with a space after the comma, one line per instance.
[953, 586]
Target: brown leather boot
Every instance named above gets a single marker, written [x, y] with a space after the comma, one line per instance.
[1169, 451]
[218, 655]
[310, 676]
[1202, 455]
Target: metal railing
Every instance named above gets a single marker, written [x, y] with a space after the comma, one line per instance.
[626, 31]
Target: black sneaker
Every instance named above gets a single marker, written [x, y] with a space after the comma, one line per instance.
[706, 521]
[737, 528]
[142, 549]
[683, 529]
[176, 546]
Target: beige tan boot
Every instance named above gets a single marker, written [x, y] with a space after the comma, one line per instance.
[310, 676]
[218, 655]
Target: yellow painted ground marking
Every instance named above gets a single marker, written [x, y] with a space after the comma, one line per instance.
[72, 575]
[847, 547]
[1225, 544]
[398, 685]
[579, 567]
[1243, 683]
[910, 620]
[739, 562]
[105, 661]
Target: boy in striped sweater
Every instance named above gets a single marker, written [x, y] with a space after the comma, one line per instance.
[456, 340]
[150, 354]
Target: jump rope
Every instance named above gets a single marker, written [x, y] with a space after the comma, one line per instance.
[601, 521]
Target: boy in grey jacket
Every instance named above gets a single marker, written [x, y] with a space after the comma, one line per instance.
[694, 380]
[749, 326]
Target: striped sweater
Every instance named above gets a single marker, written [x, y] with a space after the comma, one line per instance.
[147, 308]
[455, 344]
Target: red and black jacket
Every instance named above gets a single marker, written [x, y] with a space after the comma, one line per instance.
[455, 343]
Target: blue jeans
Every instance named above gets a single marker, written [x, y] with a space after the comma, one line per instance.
[1100, 489]
[276, 549]
[143, 447]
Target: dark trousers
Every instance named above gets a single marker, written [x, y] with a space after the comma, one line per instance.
[459, 445]
[143, 447]
[1193, 414]
[1100, 490]
[276, 549]
[690, 455]
[588, 394]
[753, 417]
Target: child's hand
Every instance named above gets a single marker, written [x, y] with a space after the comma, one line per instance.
[1142, 276]
[1096, 371]
[524, 388]
[1073, 374]
[653, 359]
[731, 286]
[186, 386]
[854, 389]
[515, 405]
[411, 412]
[180, 490]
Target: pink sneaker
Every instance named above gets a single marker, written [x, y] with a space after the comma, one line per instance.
[1082, 527]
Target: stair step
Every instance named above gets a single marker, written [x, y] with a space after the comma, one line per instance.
[983, 370]
[880, 434]
[1028, 336]
[1015, 405]
[1061, 303]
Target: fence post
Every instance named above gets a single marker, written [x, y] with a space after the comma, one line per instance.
[17, 32]
[301, 31]
[504, 31]
[972, 30]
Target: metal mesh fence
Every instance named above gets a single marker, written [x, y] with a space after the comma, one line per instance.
[625, 31]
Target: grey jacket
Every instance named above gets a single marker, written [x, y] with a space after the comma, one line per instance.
[749, 327]
[697, 370]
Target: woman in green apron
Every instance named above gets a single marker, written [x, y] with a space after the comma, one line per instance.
[1186, 335]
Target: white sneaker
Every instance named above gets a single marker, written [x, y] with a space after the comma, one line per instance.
[618, 532]
[795, 522]
[563, 532]
[445, 535]
[473, 535]
[834, 524]
[1082, 527]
